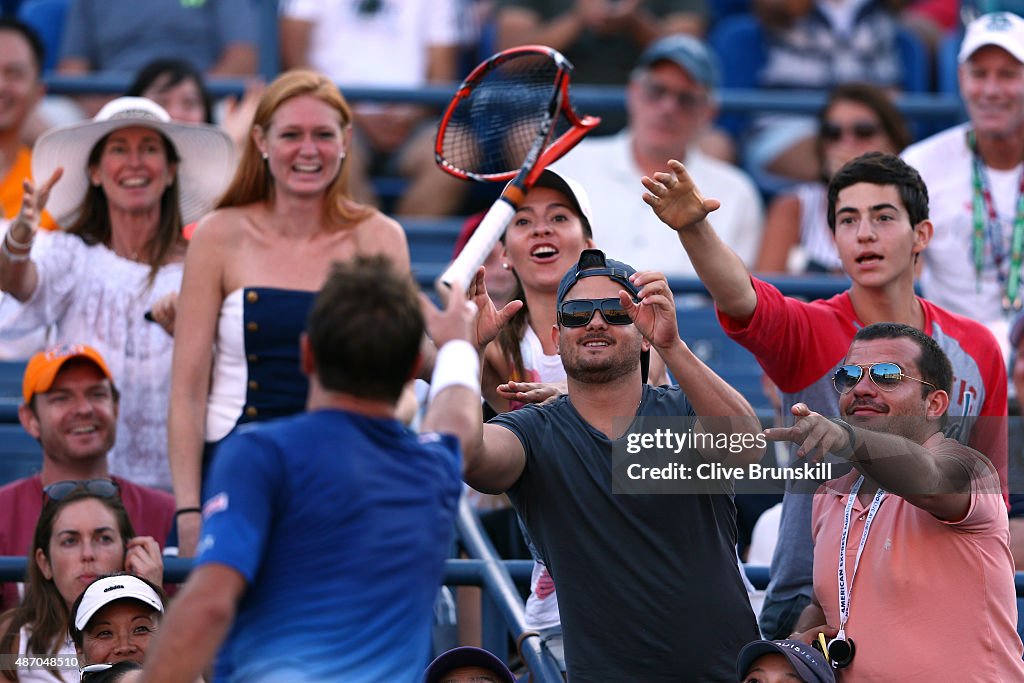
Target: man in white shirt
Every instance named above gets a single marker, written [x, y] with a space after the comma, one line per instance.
[975, 181]
[670, 102]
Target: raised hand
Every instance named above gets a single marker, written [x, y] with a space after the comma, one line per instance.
[456, 321]
[142, 558]
[33, 203]
[675, 198]
[655, 315]
[490, 320]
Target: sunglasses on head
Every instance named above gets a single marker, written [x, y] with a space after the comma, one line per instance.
[886, 376]
[862, 130]
[103, 488]
[578, 312]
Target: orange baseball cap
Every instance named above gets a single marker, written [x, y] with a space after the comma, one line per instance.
[43, 367]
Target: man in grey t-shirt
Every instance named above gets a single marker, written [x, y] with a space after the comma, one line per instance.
[648, 585]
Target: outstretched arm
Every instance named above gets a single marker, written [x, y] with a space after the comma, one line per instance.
[937, 481]
[677, 201]
[709, 394]
[493, 458]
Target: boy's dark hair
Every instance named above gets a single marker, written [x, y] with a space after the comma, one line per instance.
[877, 168]
[35, 43]
[932, 362]
[365, 329]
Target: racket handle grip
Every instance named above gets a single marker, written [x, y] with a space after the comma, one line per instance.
[480, 244]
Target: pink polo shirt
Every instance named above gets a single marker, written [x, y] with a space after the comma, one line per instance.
[932, 600]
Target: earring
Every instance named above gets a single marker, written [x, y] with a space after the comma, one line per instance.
[265, 156]
[342, 156]
[505, 266]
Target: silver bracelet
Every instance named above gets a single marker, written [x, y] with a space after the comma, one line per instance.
[20, 245]
[12, 257]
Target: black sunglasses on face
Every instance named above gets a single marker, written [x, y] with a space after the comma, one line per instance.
[103, 488]
[861, 130]
[886, 376]
[578, 312]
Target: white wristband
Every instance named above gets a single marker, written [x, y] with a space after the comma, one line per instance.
[458, 363]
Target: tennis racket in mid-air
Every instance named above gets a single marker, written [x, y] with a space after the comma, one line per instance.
[508, 121]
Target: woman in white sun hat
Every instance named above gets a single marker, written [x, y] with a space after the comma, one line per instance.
[121, 186]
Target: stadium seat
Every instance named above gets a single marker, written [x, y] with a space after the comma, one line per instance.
[47, 18]
[946, 63]
[20, 454]
[700, 329]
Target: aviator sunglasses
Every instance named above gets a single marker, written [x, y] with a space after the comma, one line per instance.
[102, 488]
[861, 130]
[578, 312]
[885, 375]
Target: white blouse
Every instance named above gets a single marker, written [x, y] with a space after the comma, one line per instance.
[92, 296]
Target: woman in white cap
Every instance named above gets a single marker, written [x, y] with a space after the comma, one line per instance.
[115, 619]
[253, 268]
[121, 186]
[83, 532]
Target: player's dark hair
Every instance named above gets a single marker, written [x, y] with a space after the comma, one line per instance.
[365, 329]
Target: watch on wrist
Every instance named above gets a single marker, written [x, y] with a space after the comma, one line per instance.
[851, 437]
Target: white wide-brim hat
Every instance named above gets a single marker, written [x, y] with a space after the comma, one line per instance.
[206, 153]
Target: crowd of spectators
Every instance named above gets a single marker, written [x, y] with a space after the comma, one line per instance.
[186, 276]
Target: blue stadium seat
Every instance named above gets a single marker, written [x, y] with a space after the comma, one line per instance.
[917, 72]
[20, 454]
[700, 329]
[946, 63]
[47, 18]
[11, 372]
[739, 43]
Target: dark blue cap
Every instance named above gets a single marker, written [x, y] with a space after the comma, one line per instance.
[593, 263]
[808, 663]
[459, 657]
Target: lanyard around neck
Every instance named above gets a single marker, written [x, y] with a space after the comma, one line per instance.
[846, 588]
[986, 226]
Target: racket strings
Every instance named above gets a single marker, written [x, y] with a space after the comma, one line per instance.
[493, 128]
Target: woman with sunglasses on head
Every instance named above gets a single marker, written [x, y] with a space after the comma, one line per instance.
[856, 118]
[82, 533]
[253, 268]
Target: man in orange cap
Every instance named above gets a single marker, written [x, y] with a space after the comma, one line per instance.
[70, 406]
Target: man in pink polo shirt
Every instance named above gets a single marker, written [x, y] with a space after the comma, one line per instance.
[913, 578]
[70, 406]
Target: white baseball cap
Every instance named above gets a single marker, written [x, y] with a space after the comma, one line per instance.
[107, 589]
[1002, 29]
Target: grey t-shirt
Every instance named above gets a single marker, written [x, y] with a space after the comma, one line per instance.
[648, 585]
[125, 35]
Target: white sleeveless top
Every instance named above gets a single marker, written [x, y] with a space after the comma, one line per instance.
[540, 367]
[67, 651]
